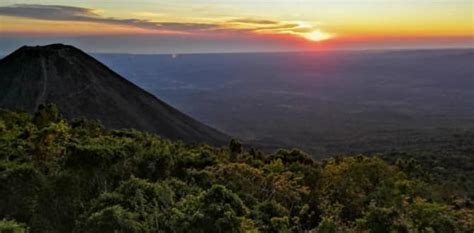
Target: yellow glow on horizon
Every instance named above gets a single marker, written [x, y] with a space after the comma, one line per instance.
[317, 36]
[313, 21]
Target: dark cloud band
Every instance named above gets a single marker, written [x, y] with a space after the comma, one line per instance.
[78, 14]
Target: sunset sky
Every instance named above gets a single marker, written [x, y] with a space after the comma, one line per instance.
[198, 26]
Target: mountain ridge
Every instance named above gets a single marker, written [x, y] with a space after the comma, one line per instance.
[82, 86]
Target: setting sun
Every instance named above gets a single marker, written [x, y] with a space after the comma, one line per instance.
[317, 36]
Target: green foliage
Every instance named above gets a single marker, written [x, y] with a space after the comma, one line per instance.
[47, 114]
[9, 226]
[146, 201]
[113, 219]
[235, 146]
[57, 176]
[380, 220]
[215, 210]
[326, 226]
[431, 216]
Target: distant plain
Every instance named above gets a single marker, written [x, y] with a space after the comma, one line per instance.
[326, 103]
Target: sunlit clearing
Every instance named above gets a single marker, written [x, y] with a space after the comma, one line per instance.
[317, 36]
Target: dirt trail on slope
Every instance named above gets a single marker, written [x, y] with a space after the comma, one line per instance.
[42, 96]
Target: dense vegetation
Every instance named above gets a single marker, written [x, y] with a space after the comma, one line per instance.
[58, 176]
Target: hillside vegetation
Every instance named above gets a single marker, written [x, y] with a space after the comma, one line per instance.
[59, 176]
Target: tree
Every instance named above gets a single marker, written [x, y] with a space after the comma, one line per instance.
[381, 220]
[235, 148]
[144, 204]
[10, 226]
[114, 219]
[46, 114]
[55, 177]
[217, 210]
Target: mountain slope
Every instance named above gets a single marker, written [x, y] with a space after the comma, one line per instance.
[83, 87]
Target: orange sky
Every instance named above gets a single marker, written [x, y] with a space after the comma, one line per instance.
[300, 23]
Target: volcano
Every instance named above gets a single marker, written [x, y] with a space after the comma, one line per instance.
[81, 86]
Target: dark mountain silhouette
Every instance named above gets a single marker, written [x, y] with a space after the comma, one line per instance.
[83, 87]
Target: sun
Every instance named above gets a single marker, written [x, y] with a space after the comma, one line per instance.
[317, 36]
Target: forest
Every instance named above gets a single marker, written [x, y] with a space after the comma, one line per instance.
[77, 176]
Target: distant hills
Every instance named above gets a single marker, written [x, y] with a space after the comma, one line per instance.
[81, 86]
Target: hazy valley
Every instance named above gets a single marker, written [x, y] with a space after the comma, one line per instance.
[324, 102]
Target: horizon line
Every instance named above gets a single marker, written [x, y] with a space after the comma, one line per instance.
[387, 49]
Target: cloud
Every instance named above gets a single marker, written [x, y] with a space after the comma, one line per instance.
[298, 29]
[281, 27]
[263, 25]
[79, 14]
[254, 21]
[47, 12]
[188, 26]
[146, 14]
[259, 25]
